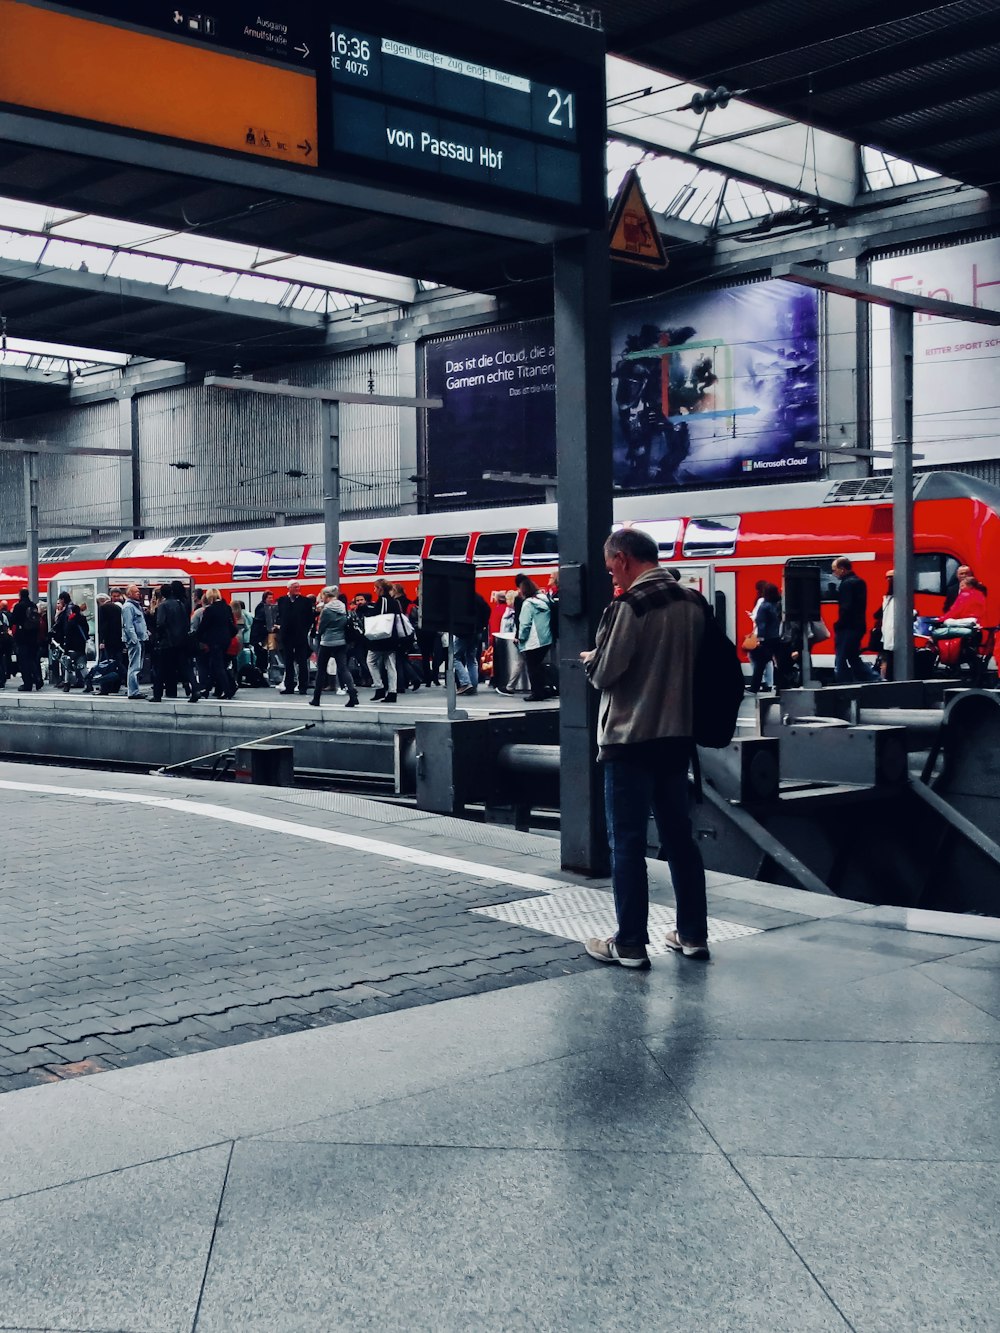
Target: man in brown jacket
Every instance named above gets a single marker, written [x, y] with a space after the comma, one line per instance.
[644, 665]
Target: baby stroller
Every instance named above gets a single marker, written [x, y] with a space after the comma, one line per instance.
[964, 647]
[65, 666]
[105, 677]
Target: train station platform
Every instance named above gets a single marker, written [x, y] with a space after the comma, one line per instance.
[282, 1060]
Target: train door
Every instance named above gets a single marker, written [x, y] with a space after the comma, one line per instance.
[718, 589]
[83, 592]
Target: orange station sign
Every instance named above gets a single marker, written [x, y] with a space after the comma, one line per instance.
[633, 231]
[99, 71]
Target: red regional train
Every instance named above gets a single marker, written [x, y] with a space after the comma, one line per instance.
[722, 541]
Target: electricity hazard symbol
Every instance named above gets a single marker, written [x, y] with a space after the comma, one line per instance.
[634, 236]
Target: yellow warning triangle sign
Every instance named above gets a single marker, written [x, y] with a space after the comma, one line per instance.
[634, 237]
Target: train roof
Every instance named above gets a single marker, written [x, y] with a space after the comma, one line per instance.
[676, 504]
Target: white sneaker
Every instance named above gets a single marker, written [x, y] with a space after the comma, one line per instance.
[674, 942]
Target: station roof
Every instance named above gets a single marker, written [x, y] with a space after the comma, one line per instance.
[917, 78]
[913, 78]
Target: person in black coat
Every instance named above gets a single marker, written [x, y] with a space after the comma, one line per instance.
[294, 622]
[216, 633]
[26, 623]
[850, 625]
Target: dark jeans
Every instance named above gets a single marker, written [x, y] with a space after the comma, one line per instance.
[534, 660]
[171, 666]
[29, 663]
[344, 677]
[849, 665]
[654, 781]
[218, 675]
[296, 654]
[432, 654]
[760, 656]
[407, 673]
[357, 660]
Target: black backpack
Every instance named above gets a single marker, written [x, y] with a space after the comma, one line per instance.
[30, 622]
[718, 682]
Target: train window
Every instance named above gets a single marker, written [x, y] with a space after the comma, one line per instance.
[828, 585]
[711, 536]
[192, 543]
[249, 564]
[540, 548]
[361, 558]
[402, 554]
[933, 572]
[316, 562]
[495, 548]
[448, 548]
[285, 562]
[663, 531]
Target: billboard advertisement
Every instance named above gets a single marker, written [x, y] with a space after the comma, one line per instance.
[707, 387]
[956, 404]
[716, 386]
[499, 413]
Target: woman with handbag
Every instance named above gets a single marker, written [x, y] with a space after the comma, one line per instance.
[408, 676]
[332, 630]
[217, 631]
[767, 632]
[534, 637]
[381, 625]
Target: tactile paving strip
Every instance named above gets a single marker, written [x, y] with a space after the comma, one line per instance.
[580, 914]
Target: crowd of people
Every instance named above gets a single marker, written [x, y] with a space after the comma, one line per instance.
[202, 644]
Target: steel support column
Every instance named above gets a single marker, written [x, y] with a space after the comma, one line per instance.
[331, 490]
[583, 444]
[901, 370]
[31, 520]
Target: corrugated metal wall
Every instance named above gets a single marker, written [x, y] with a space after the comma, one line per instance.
[75, 494]
[240, 448]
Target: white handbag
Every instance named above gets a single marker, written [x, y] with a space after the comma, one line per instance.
[380, 626]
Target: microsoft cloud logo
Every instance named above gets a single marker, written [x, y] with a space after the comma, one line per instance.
[748, 465]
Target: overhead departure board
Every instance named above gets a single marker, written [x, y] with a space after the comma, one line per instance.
[452, 117]
[498, 110]
[183, 86]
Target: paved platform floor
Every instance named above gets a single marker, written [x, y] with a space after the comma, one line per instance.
[801, 1134]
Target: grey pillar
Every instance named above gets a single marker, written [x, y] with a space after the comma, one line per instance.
[130, 477]
[331, 490]
[901, 353]
[583, 442]
[844, 364]
[31, 520]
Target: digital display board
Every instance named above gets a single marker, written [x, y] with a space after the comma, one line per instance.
[446, 115]
[499, 110]
[452, 117]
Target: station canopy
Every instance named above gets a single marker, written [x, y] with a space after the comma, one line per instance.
[803, 93]
[916, 79]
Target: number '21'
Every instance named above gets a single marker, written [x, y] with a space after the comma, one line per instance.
[561, 112]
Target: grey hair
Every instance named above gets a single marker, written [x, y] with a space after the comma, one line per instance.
[635, 544]
[327, 593]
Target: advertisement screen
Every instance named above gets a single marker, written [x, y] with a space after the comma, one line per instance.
[499, 414]
[716, 386]
[956, 402]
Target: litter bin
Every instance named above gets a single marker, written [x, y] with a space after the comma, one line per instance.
[266, 765]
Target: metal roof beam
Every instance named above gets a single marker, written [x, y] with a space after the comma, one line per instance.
[822, 27]
[43, 379]
[77, 284]
[681, 18]
[930, 95]
[908, 57]
[743, 141]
